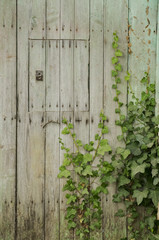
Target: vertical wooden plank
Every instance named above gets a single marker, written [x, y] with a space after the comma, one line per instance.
[82, 19]
[30, 141]
[66, 74]
[37, 66]
[52, 75]
[96, 72]
[142, 19]
[65, 234]
[113, 227]
[67, 19]
[81, 71]
[37, 19]
[52, 194]
[31, 177]
[157, 69]
[7, 118]
[53, 19]
[81, 128]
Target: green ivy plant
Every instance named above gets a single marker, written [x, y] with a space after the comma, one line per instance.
[88, 181]
[136, 164]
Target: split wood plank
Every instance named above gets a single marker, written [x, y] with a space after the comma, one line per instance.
[52, 75]
[36, 66]
[113, 228]
[82, 19]
[37, 19]
[53, 19]
[7, 118]
[66, 74]
[142, 32]
[96, 74]
[81, 75]
[67, 19]
[52, 183]
[64, 232]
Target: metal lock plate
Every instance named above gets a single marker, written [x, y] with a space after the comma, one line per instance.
[39, 75]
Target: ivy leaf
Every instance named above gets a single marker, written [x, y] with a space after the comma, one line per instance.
[155, 181]
[154, 195]
[154, 172]
[118, 67]
[135, 150]
[88, 147]
[135, 168]
[103, 149]
[65, 173]
[87, 158]
[123, 181]
[71, 224]
[71, 198]
[140, 195]
[85, 191]
[65, 131]
[78, 170]
[126, 153]
[118, 53]
[105, 130]
[87, 171]
[115, 60]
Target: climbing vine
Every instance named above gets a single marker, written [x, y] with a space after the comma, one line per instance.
[88, 180]
[136, 164]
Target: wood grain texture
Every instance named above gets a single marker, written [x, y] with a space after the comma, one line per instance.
[36, 63]
[81, 75]
[142, 19]
[96, 73]
[37, 19]
[30, 138]
[67, 19]
[53, 19]
[7, 118]
[66, 74]
[52, 183]
[114, 228]
[52, 75]
[82, 19]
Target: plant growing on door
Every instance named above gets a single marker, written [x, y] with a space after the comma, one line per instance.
[87, 181]
[136, 164]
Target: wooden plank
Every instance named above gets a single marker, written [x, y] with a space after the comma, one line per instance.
[81, 77]
[96, 73]
[52, 75]
[81, 128]
[52, 194]
[142, 18]
[31, 176]
[30, 141]
[65, 234]
[53, 19]
[7, 118]
[157, 69]
[66, 74]
[113, 227]
[67, 19]
[37, 19]
[82, 19]
[36, 87]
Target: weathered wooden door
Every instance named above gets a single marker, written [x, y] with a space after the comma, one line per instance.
[55, 61]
